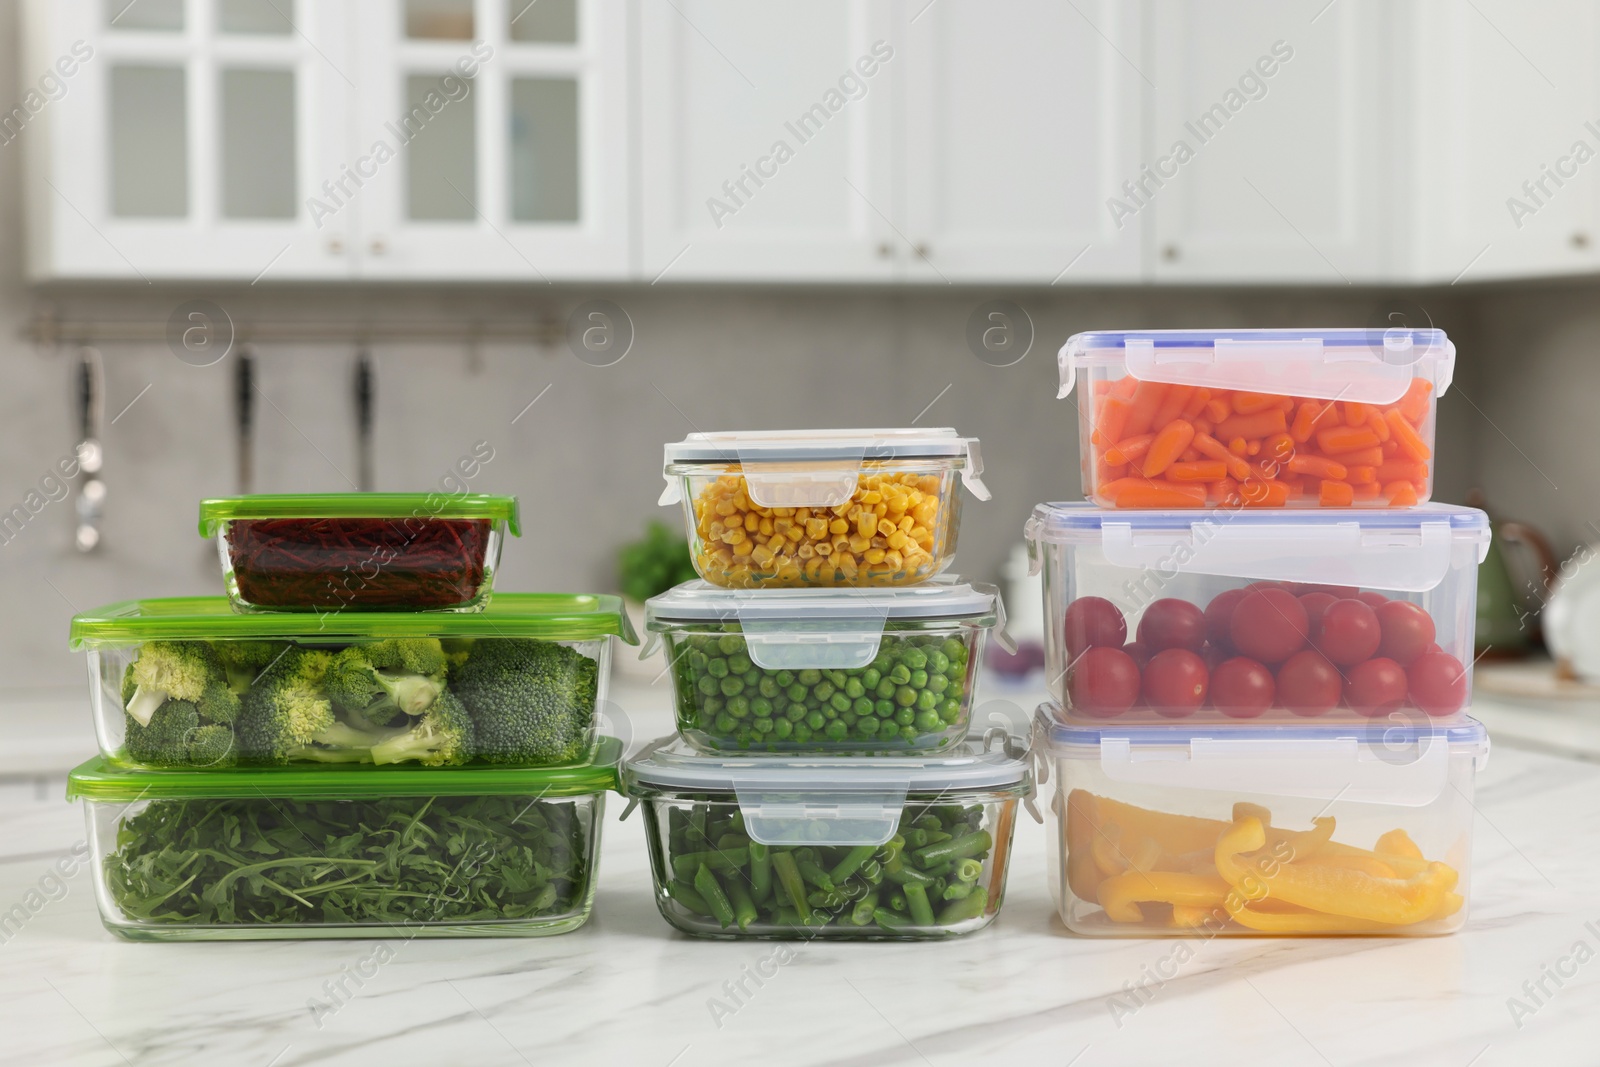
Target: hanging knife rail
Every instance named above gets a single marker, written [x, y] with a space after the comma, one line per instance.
[546, 330]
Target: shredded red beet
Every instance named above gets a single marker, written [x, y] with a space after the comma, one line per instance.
[408, 564]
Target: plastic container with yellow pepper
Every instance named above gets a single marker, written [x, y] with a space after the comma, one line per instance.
[822, 507]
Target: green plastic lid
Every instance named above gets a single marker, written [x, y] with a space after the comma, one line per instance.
[549, 616]
[101, 779]
[359, 506]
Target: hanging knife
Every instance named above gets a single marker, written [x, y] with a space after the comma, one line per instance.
[244, 400]
[365, 387]
[90, 503]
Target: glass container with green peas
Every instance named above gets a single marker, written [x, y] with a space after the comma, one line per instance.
[829, 670]
[897, 847]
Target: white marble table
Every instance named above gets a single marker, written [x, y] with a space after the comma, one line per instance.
[626, 989]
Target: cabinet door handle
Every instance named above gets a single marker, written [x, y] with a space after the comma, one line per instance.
[1170, 253]
[1580, 239]
[885, 250]
[921, 249]
[379, 247]
[335, 246]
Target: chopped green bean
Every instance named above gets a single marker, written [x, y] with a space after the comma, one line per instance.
[961, 847]
[689, 897]
[861, 914]
[744, 908]
[784, 866]
[968, 907]
[917, 904]
[760, 871]
[851, 862]
[715, 898]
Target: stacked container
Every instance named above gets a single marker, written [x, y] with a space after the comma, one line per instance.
[1260, 639]
[822, 782]
[361, 740]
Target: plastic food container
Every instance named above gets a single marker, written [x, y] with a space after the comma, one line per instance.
[187, 682]
[822, 507]
[1187, 830]
[1263, 418]
[359, 551]
[824, 670]
[330, 852]
[1292, 615]
[853, 847]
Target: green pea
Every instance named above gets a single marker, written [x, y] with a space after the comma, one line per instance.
[697, 661]
[816, 720]
[955, 648]
[782, 728]
[908, 733]
[837, 731]
[762, 726]
[899, 676]
[728, 644]
[905, 717]
[862, 707]
[905, 696]
[838, 678]
[867, 724]
[950, 710]
[840, 703]
[883, 660]
[724, 724]
[919, 679]
[853, 688]
[938, 662]
[884, 690]
[707, 684]
[914, 658]
[809, 677]
[768, 687]
[712, 705]
[739, 663]
[823, 690]
[732, 687]
[957, 673]
[927, 701]
[938, 683]
[784, 679]
[802, 733]
[717, 668]
[760, 707]
[795, 712]
[884, 709]
[848, 719]
[928, 721]
[798, 693]
[738, 706]
[871, 677]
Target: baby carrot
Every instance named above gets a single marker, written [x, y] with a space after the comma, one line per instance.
[1366, 457]
[1312, 416]
[1204, 470]
[1355, 413]
[1261, 424]
[1226, 492]
[1398, 471]
[1400, 494]
[1217, 409]
[1368, 490]
[1172, 405]
[1109, 422]
[1261, 493]
[1129, 449]
[1101, 387]
[1414, 404]
[1239, 446]
[1147, 397]
[1379, 423]
[1202, 426]
[1197, 403]
[1280, 446]
[1124, 387]
[1336, 494]
[1411, 442]
[1157, 495]
[1338, 439]
[1209, 446]
[1167, 447]
[1319, 467]
[1362, 474]
[1250, 403]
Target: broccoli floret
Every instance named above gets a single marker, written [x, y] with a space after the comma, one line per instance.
[211, 746]
[243, 660]
[286, 715]
[530, 701]
[164, 740]
[442, 737]
[380, 681]
[182, 670]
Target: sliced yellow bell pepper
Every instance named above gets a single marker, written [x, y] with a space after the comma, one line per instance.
[1298, 920]
[1398, 843]
[1121, 895]
[1173, 833]
[1368, 864]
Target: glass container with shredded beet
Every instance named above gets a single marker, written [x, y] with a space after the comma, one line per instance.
[328, 552]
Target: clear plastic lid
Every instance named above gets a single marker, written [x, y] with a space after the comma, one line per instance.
[831, 800]
[1401, 759]
[1373, 366]
[1407, 549]
[359, 506]
[811, 468]
[839, 628]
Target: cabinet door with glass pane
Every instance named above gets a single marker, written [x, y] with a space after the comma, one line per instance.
[184, 138]
[491, 140]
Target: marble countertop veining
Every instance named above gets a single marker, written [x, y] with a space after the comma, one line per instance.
[627, 989]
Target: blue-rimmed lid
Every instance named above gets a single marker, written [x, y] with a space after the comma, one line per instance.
[1403, 759]
[1408, 549]
[1372, 366]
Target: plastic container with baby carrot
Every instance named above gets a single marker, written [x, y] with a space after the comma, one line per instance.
[1257, 418]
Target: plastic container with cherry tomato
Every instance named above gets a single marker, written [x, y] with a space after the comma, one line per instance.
[1257, 418]
[1238, 614]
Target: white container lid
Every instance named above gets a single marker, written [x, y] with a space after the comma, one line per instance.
[1372, 366]
[837, 628]
[856, 800]
[1403, 761]
[1408, 549]
[816, 468]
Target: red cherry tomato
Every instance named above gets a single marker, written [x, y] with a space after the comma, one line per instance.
[1376, 686]
[1350, 632]
[1268, 625]
[1213, 656]
[1315, 604]
[1338, 592]
[1093, 622]
[1103, 682]
[1438, 683]
[1308, 684]
[1139, 653]
[1241, 688]
[1407, 631]
[1175, 682]
[1172, 623]
[1371, 600]
[1219, 616]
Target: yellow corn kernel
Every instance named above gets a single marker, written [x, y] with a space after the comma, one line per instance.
[874, 556]
[752, 522]
[781, 526]
[802, 514]
[807, 551]
[813, 569]
[897, 540]
[906, 524]
[795, 534]
[783, 513]
[777, 544]
[920, 535]
[867, 524]
[838, 526]
[734, 537]
[762, 555]
[743, 548]
[891, 559]
[725, 508]
[824, 549]
[847, 566]
[885, 527]
[872, 496]
[766, 527]
[859, 545]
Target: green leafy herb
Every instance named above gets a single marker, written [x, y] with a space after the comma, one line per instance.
[401, 861]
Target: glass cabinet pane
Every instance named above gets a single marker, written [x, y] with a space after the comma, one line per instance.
[255, 16]
[544, 21]
[258, 144]
[544, 149]
[439, 19]
[144, 14]
[441, 158]
[149, 142]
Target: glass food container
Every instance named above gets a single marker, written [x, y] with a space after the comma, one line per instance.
[328, 552]
[187, 682]
[853, 847]
[1187, 830]
[1261, 418]
[1235, 615]
[824, 670]
[822, 507]
[331, 852]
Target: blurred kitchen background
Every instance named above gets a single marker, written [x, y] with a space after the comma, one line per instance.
[1345, 162]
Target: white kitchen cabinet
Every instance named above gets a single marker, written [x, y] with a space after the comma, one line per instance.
[177, 138]
[1274, 141]
[766, 141]
[1508, 181]
[507, 122]
[1022, 120]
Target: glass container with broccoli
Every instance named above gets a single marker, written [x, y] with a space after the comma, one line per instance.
[189, 683]
[846, 847]
[827, 670]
